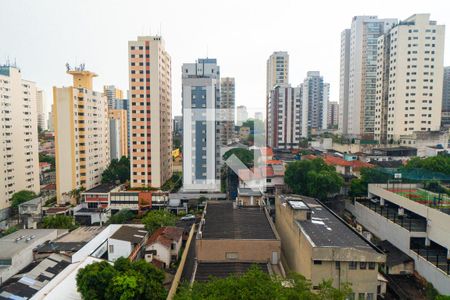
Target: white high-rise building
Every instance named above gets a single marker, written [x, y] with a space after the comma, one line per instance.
[19, 158]
[409, 81]
[315, 95]
[358, 74]
[81, 135]
[201, 129]
[40, 109]
[277, 70]
[285, 121]
[241, 114]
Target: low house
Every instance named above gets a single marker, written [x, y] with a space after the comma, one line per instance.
[128, 241]
[249, 197]
[164, 245]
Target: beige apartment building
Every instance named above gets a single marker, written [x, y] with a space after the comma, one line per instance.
[409, 83]
[19, 159]
[151, 112]
[81, 135]
[320, 246]
[118, 133]
[277, 70]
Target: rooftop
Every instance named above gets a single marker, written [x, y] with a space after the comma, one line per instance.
[248, 192]
[222, 221]
[166, 235]
[325, 229]
[394, 255]
[81, 234]
[131, 234]
[23, 239]
[102, 188]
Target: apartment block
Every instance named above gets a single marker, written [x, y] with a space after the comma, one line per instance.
[286, 119]
[19, 140]
[413, 219]
[358, 73]
[201, 125]
[320, 246]
[446, 99]
[409, 79]
[315, 96]
[151, 112]
[277, 70]
[112, 94]
[333, 114]
[118, 133]
[81, 134]
[227, 106]
[40, 109]
[242, 114]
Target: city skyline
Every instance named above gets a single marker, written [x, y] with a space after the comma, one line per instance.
[46, 63]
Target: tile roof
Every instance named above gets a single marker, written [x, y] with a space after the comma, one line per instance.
[166, 235]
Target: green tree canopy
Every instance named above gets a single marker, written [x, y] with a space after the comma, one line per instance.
[155, 219]
[59, 222]
[246, 156]
[124, 280]
[255, 284]
[439, 163]
[118, 170]
[21, 197]
[358, 186]
[313, 178]
[122, 216]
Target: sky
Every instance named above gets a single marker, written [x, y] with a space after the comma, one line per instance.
[41, 36]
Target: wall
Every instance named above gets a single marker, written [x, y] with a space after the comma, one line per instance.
[121, 249]
[162, 253]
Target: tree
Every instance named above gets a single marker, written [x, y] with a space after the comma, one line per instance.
[125, 280]
[255, 284]
[155, 219]
[244, 155]
[358, 187]
[122, 216]
[21, 197]
[10, 230]
[439, 163]
[59, 222]
[76, 194]
[48, 159]
[118, 170]
[313, 178]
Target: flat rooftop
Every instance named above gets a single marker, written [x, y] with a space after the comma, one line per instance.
[325, 229]
[81, 235]
[222, 221]
[102, 188]
[131, 234]
[23, 239]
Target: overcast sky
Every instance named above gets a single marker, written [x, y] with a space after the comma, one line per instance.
[42, 35]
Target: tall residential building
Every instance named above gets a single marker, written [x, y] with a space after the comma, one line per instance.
[151, 112]
[259, 116]
[446, 99]
[285, 124]
[333, 114]
[277, 70]
[19, 159]
[358, 74]
[118, 133]
[227, 107]
[50, 122]
[201, 143]
[40, 109]
[315, 94]
[81, 134]
[177, 124]
[112, 94]
[409, 81]
[241, 114]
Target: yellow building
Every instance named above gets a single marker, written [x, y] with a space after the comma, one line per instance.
[81, 135]
[118, 133]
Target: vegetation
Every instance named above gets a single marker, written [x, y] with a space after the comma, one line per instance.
[358, 186]
[439, 163]
[255, 284]
[125, 280]
[21, 197]
[244, 155]
[48, 159]
[9, 231]
[117, 171]
[59, 222]
[174, 183]
[76, 194]
[155, 219]
[313, 178]
[122, 216]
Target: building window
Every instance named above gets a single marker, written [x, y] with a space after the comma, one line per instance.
[363, 265]
[338, 265]
[111, 248]
[370, 296]
[352, 265]
[317, 262]
[361, 296]
[372, 265]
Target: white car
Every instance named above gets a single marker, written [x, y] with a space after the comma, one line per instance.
[188, 217]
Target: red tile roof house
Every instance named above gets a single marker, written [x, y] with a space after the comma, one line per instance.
[164, 246]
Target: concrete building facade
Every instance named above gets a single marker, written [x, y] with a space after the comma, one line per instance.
[409, 79]
[19, 139]
[241, 115]
[227, 106]
[112, 94]
[277, 70]
[81, 134]
[151, 112]
[358, 74]
[201, 126]
[40, 109]
[315, 95]
[333, 114]
[446, 99]
[118, 133]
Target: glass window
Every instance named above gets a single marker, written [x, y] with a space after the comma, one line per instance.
[352, 265]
